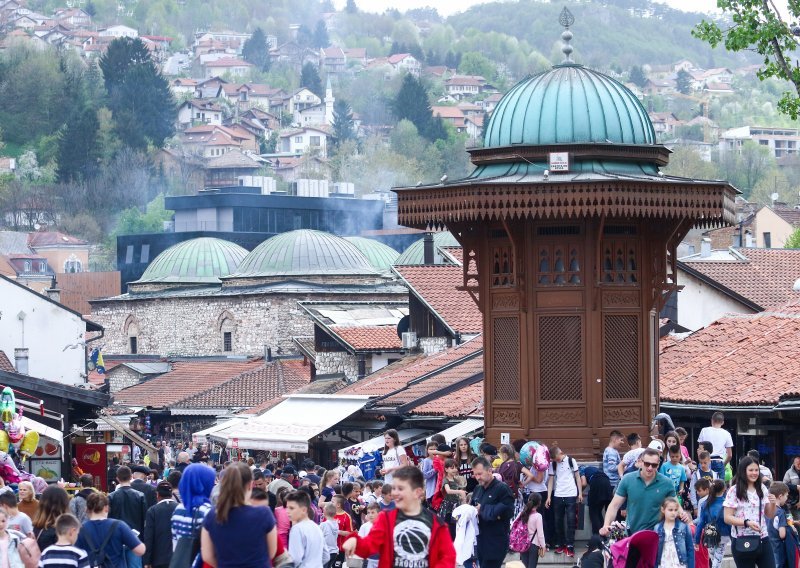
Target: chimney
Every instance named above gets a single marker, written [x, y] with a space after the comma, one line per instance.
[748, 239]
[53, 292]
[705, 247]
[267, 354]
[427, 247]
[21, 360]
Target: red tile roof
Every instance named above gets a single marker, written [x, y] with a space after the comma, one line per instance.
[52, 238]
[457, 253]
[228, 62]
[466, 401]
[765, 278]
[252, 388]
[186, 379]
[369, 337]
[436, 285]
[397, 376]
[739, 360]
[5, 363]
[788, 214]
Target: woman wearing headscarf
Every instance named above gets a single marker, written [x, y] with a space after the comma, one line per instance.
[195, 488]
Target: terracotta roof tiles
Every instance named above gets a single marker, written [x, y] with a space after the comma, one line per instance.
[765, 278]
[466, 401]
[5, 363]
[397, 376]
[437, 286]
[185, 380]
[369, 337]
[52, 238]
[739, 360]
[252, 388]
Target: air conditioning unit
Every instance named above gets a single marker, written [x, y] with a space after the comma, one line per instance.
[409, 340]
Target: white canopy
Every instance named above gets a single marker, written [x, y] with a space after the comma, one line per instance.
[42, 429]
[200, 437]
[291, 424]
[409, 436]
[465, 428]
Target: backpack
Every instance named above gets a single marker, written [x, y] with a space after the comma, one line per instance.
[97, 556]
[518, 540]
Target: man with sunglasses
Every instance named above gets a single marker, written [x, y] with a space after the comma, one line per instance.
[644, 491]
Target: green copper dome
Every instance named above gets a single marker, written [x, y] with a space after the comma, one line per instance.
[196, 261]
[569, 104]
[304, 253]
[380, 256]
[415, 254]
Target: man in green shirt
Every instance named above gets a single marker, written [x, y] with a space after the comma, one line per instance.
[644, 490]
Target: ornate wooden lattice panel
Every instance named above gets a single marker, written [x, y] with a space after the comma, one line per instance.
[505, 358]
[560, 358]
[502, 267]
[621, 356]
[620, 263]
[558, 264]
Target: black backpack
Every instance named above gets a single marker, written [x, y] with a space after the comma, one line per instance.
[98, 558]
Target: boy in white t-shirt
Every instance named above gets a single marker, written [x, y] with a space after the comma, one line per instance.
[628, 462]
[563, 494]
[372, 513]
[721, 441]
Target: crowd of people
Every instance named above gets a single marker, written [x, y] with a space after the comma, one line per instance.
[465, 503]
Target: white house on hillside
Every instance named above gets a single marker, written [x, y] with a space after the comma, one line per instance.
[118, 31]
[302, 140]
[52, 334]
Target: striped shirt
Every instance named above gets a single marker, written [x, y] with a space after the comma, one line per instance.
[63, 556]
[182, 521]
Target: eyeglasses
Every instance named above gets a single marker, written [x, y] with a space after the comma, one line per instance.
[649, 465]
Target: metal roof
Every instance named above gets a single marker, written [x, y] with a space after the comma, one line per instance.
[415, 254]
[304, 253]
[380, 256]
[196, 261]
[566, 105]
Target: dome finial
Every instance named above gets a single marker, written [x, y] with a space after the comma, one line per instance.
[566, 19]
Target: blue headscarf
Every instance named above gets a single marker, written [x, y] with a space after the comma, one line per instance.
[195, 486]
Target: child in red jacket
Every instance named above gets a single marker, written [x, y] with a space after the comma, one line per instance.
[409, 531]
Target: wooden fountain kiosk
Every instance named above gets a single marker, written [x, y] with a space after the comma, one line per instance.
[569, 230]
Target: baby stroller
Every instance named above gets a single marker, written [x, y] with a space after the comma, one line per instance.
[636, 551]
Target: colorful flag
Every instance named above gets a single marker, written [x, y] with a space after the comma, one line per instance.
[97, 359]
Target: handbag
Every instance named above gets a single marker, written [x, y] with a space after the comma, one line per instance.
[188, 547]
[749, 544]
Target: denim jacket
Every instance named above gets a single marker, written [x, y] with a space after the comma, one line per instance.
[682, 535]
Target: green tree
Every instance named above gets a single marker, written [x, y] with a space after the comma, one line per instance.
[351, 7]
[135, 222]
[343, 124]
[78, 150]
[758, 26]
[474, 63]
[636, 76]
[683, 81]
[309, 78]
[793, 241]
[138, 94]
[411, 103]
[320, 38]
[256, 51]
[687, 162]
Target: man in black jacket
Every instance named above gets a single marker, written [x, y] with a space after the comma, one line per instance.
[139, 483]
[127, 504]
[158, 529]
[495, 505]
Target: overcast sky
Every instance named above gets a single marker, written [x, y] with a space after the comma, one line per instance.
[448, 7]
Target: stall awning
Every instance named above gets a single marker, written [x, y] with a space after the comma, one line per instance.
[409, 436]
[127, 432]
[200, 436]
[42, 429]
[289, 426]
[466, 428]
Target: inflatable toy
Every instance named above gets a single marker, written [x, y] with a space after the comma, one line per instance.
[13, 434]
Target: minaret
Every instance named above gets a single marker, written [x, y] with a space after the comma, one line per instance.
[329, 100]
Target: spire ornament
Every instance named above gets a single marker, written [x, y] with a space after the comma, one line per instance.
[566, 19]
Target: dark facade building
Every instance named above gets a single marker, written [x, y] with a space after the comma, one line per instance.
[247, 217]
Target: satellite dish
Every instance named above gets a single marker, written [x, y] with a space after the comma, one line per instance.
[37, 226]
[403, 325]
[774, 196]
[796, 286]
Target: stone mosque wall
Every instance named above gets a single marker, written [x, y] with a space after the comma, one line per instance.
[196, 326]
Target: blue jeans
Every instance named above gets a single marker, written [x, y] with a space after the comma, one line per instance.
[565, 511]
[132, 560]
[718, 467]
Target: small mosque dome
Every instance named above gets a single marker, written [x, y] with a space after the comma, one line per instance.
[196, 261]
